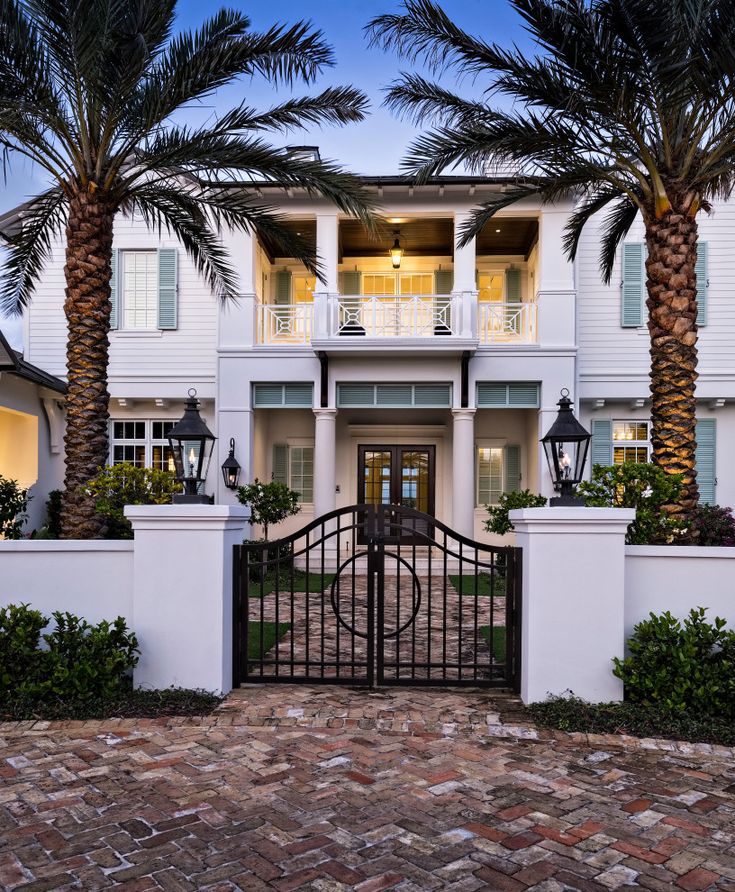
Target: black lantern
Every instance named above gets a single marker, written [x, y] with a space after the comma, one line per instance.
[566, 445]
[191, 443]
[231, 468]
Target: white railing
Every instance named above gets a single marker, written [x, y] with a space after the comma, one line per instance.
[405, 316]
[507, 323]
[286, 324]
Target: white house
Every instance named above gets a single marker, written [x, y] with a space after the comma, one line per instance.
[428, 382]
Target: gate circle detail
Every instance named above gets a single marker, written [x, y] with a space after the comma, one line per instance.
[415, 595]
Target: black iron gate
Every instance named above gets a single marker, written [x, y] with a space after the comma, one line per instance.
[377, 595]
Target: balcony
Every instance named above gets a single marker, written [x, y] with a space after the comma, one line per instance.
[445, 321]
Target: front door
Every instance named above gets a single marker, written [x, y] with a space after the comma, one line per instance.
[398, 475]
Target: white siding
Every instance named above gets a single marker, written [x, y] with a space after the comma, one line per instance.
[188, 353]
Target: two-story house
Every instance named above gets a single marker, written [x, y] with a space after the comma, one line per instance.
[418, 372]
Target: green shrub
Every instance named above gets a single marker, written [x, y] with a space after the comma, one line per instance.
[77, 661]
[681, 666]
[13, 505]
[644, 487]
[499, 521]
[124, 484]
[269, 503]
[714, 525]
[53, 514]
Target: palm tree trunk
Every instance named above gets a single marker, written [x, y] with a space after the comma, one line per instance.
[672, 324]
[87, 308]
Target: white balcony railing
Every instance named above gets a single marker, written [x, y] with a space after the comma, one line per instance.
[507, 323]
[286, 324]
[409, 316]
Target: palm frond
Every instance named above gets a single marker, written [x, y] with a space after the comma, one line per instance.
[615, 227]
[27, 250]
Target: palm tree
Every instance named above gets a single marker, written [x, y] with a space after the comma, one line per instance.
[629, 106]
[89, 90]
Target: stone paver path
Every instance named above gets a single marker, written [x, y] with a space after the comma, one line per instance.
[334, 789]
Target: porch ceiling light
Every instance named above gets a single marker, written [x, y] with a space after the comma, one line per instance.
[191, 443]
[566, 445]
[231, 468]
[396, 252]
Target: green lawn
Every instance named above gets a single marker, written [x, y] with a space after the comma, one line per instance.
[269, 637]
[477, 585]
[498, 645]
[299, 583]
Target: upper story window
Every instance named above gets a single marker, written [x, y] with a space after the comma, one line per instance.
[139, 289]
[381, 284]
[630, 441]
[302, 289]
[490, 287]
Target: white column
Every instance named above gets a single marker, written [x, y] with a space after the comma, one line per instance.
[463, 472]
[465, 279]
[325, 457]
[182, 593]
[556, 288]
[573, 600]
[327, 249]
[233, 423]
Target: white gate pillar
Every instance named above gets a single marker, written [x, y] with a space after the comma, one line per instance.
[573, 600]
[463, 472]
[182, 593]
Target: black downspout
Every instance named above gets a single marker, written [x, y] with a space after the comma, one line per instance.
[464, 387]
[324, 392]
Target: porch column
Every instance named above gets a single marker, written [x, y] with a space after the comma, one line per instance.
[463, 472]
[556, 289]
[327, 249]
[465, 285]
[325, 456]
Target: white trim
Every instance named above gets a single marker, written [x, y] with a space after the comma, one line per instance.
[392, 434]
[77, 545]
[681, 551]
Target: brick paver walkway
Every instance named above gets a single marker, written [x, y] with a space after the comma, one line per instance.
[332, 789]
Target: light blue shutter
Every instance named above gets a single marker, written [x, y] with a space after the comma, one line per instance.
[349, 282]
[443, 281]
[706, 459]
[114, 291]
[702, 270]
[512, 468]
[280, 463]
[167, 315]
[601, 449]
[283, 286]
[632, 297]
[513, 286]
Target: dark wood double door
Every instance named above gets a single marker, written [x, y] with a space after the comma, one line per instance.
[399, 475]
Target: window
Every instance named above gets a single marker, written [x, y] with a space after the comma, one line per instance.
[416, 283]
[489, 475]
[129, 442]
[140, 289]
[142, 443]
[490, 287]
[301, 469]
[630, 442]
[378, 283]
[302, 289]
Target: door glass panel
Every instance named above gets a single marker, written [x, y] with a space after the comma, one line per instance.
[490, 287]
[415, 480]
[377, 477]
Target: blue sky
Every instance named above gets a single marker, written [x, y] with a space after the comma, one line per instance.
[372, 147]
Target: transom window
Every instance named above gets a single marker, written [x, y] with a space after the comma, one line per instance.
[142, 443]
[139, 290]
[630, 442]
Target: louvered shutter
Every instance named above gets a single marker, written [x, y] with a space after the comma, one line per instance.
[443, 281]
[702, 270]
[350, 282]
[601, 448]
[513, 286]
[706, 459]
[167, 315]
[512, 469]
[633, 281]
[283, 286]
[280, 463]
[114, 291]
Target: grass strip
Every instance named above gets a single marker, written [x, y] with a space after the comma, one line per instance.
[269, 637]
[301, 583]
[498, 641]
[474, 585]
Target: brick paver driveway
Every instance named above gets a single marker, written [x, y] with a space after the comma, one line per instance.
[328, 789]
